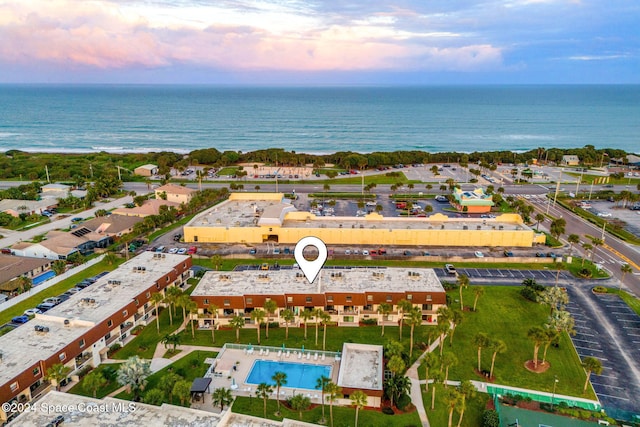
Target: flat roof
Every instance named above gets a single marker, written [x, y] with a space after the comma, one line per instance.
[24, 346]
[115, 290]
[361, 366]
[81, 410]
[343, 279]
[235, 213]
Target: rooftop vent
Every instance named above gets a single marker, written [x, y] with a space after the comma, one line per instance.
[413, 274]
[41, 329]
[225, 277]
[378, 275]
[67, 322]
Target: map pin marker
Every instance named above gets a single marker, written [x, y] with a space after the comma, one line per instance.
[310, 268]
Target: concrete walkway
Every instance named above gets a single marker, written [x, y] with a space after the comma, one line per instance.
[416, 391]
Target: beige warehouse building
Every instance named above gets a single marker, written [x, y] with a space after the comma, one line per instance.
[254, 218]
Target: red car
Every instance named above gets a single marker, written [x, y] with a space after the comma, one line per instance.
[192, 250]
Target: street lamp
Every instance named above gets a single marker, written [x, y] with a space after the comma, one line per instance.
[553, 395]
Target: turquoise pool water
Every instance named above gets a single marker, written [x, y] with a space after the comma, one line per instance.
[41, 278]
[299, 375]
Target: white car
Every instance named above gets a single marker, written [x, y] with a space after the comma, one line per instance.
[365, 252]
[479, 254]
[182, 251]
[604, 214]
[347, 252]
[32, 312]
[173, 250]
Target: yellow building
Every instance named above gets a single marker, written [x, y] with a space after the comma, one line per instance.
[175, 193]
[254, 218]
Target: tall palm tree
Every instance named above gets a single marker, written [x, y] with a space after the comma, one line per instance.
[496, 346]
[237, 323]
[325, 318]
[481, 340]
[263, 391]
[93, 381]
[596, 243]
[463, 282]
[183, 301]
[442, 328]
[192, 308]
[280, 378]
[589, 249]
[317, 313]
[428, 362]
[437, 377]
[625, 269]
[359, 400]
[306, 316]
[156, 299]
[171, 295]
[288, 317]
[449, 359]
[572, 239]
[270, 306]
[539, 218]
[384, 309]
[222, 396]
[334, 393]
[456, 319]
[538, 335]
[591, 365]
[453, 399]
[257, 316]
[321, 384]
[403, 307]
[213, 310]
[552, 334]
[414, 318]
[467, 391]
[478, 291]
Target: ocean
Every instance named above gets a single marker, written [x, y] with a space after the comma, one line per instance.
[58, 118]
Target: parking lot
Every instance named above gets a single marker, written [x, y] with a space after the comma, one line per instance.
[607, 329]
[612, 211]
[495, 273]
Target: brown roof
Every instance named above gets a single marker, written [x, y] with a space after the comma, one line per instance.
[175, 189]
[149, 207]
[14, 266]
[112, 224]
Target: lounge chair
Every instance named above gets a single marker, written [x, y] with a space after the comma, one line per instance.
[261, 352]
[288, 353]
[322, 357]
[266, 352]
[308, 356]
[315, 356]
[299, 355]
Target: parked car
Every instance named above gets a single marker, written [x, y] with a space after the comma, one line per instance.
[407, 253]
[287, 251]
[177, 237]
[508, 253]
[182, 251]
[347, 252]
[77, 219]
[479, 254]
[52, 300]
[264, 266]
[540, 254]
[20, 319]
[32, 312]
[276, 251]
[192, 250]
[45, 306]
[173, 250]
[365, 252]
[253, 251]
[450, 269]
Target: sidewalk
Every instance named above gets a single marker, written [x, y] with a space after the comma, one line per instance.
[416, 391]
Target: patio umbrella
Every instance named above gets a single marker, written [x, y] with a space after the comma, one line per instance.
[283, 346]
[303, 348]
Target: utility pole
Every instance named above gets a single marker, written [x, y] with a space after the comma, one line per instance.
[46, 169]
[579, 181]
[555, 197]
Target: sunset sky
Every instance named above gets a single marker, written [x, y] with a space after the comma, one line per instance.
[320, 42]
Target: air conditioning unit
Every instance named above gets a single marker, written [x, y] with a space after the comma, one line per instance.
[67, 322]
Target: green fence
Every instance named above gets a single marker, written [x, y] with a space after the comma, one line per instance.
[545, 398]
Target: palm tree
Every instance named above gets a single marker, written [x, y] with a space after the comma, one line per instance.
[263, 391]
[572, 239]
[24, 283]
[429, 361]
[437, 377]
[589, 249]
[171, 339]
[183, 300]
[625, 269]
[538, 335]
[317, 313]
[414, 319]
[448, 360]
[156, 299]
[93, 381]
[539, 218]
[59, 267]
[288, 317]
[299, 403]
[306, 315]
[270, 306]
[557, 227]
[237, 322]
[463, 282]
[216, 262]
[166, 383]
[321, 384]
[133, 373]
[222, 396]
[478, 291]
[455, 319]
[442, 328]
[467, 391]
[497, 346]
[552, 335]
[325, 318]
[213, 309]
[171, 296]
[359, 400]
[555, 297]
[453, 398]
[192, 308]
[334, 393]
[596, 243]
[591, 365]
[280, 378]
[403, 307]
[182, 390]
[257, 316]
[384, 309]
[481, 340]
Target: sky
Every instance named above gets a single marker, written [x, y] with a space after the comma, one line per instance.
[295, 42]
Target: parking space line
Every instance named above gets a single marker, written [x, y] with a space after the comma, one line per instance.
[607, 385]
[614, 397]
[589, 341]
[589, 348]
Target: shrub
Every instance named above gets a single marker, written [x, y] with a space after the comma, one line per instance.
[369, 322]
[388, 411]
[490, 418]
[585, 273]
[529, 293]
[403, 401]
[113, 349]
[584, 414]
[137, 330]
[600, 290]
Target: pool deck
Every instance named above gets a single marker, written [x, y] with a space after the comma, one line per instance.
[224, 375]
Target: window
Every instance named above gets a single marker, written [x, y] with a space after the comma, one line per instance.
[348, 298]
[249, 300]
[389, 299]
[195, 238]
[308, 300]
[206, 302]
[62, 356]
[167, 279]
[369, 297]
[137, 302]
[227, 302]
[36, 371]
[81, 343]
[329, 298]
[109, 323]
[289, 299]
[409, 297]
[14, 386]
[428, 297]
[148, 295]
[124, 313]
[427, 307]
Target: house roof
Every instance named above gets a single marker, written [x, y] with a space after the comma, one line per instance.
[32, 205]
[174, 189]
[62, 244]
[475, 197]
[111, 224]
[149, 207]
[148, 167]
[55, 187]
[13, 266]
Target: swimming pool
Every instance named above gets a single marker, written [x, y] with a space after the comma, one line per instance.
[299, 375]
[41, 278]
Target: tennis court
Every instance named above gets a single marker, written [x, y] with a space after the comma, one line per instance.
[511, 416]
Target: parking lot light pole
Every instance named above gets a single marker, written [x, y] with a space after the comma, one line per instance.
[553, 395]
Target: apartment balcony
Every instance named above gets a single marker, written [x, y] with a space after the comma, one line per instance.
[348, 312]
[112, 339]
[41, 390]
[82, 359]
[125, 327]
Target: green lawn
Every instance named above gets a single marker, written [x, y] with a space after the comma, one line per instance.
[102, 392]
[57, 289]
[342, 416]
[440, 415]
[189, 368]
[504, 314]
